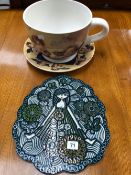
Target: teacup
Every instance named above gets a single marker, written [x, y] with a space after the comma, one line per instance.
[58, 28]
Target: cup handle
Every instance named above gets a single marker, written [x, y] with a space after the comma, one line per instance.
[98, 36]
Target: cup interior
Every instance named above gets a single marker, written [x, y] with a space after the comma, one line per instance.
[57, 16]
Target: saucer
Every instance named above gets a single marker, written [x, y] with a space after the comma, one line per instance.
[61, 126]
[84, 55]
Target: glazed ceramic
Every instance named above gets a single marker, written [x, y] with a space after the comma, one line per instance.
[61, 126]
[84, 56]
[59, 28]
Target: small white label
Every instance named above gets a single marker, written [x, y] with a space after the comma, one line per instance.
[73, 145]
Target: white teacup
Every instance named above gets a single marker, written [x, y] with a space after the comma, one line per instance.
[58, 28]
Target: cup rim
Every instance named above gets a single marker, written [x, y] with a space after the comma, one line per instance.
[29, 7]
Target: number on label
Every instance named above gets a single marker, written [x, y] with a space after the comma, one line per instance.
[73, 145]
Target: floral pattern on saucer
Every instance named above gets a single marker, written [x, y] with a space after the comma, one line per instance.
[36, 58]
[61, 126]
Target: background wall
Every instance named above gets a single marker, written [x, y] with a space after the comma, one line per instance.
[107, 4]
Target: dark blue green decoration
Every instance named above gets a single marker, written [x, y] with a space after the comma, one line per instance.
[61, 126]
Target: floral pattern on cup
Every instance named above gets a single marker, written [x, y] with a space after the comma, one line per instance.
[40, 47]
[67, 52]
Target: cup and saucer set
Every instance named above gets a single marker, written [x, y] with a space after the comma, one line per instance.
[61, 124]
[58, 35]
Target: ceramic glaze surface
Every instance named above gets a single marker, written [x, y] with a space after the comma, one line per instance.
[61, 126]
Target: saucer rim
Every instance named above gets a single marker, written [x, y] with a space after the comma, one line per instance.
[44, 68]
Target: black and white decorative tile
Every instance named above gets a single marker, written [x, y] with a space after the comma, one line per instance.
[61, 126]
